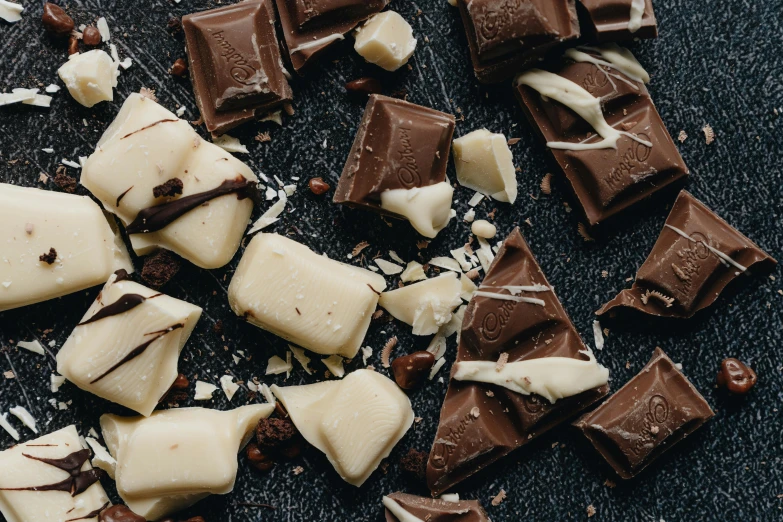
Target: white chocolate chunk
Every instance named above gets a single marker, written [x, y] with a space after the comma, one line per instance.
[19, 471]
[90, 77]
[310, 300]
[88, 251]
[129, 358]
[56, 382]
[101, 458]
[614, 57]
[229, 386]
[32, 346]
[550, 377]
[483, 229]
[356, 421]
[427, 208]
[147, 145]
[204, 391]
[10, 11]
[413, 272]
[484, 163]
[426, 305]
[386, 40]
[174, 458]
[21, 413]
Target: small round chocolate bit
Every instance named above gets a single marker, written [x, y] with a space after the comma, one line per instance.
[411, 370]
[91, 36]
[364, 86]
[259, 460]
[119, 513]
[179, 67]
[736, 377]
[318, 186]
[55, 20]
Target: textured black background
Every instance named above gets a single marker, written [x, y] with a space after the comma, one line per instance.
[717, 63]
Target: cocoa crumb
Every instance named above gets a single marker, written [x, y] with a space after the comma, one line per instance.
[179, 67]
[48, 257]
[278, 438]
[218, 327]
[709, 134]
[263, 137]
[414, 464]
[64, 181]
[318, 186]
[178, 391]
[170, 188]
[590, 511]
[159, 268]
[174, 26]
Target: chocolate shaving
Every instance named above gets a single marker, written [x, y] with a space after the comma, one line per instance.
[48, 257]
[170, 188]
[546, 184]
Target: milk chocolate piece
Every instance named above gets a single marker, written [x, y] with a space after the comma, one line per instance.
[696, 256]
[480, 423]
[311, 26]
[652, 412]
[617, 20]
[399, 146]
[605, 179]
[506, 35]
[433, 509]
[235, 63]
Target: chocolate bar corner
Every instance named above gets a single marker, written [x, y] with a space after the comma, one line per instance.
[617, 20]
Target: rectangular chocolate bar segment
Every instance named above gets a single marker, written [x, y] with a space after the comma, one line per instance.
[630, 156]
[617, 20]
[696, 256]
[479, 422]
[311, 26]
[652, 412]
[506, 35]
[235, 63]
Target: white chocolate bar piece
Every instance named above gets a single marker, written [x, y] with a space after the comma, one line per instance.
[174, 458]
[484, 163]
[90, 77]
[32, 221]
[310, 300]
[20, 471]
[146, 146]
[129, 357]
[427, 208]
[356, 422]
[386, 40]
[426, 305]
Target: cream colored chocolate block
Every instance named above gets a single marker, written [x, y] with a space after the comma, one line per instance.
[32, 221]
[127, 345]
[308, 299]
[426, 305]
[356, 421]
[174, 458]
[21, 469]
[484, 163]
[89, 77]
[427, 208]
[147, 145]
[386, 40]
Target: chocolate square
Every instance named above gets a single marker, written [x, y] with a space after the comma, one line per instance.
[235, 63]
[506, 35]
[652, 412]
[609, 20]
[399, 145]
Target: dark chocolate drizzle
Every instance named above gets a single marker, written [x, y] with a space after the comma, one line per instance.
[169, 120]
[121, 275]
[119, 198]
[138, 350]
[77, 483]
[91, 514]
[155, 218]
[125, 303]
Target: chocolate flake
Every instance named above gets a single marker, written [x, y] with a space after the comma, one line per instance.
[48, 257]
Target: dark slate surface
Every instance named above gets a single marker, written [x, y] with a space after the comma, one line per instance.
[716, 63]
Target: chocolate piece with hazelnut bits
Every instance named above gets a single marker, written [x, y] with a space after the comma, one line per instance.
[312, 26]
[506, 35]
[652, 412]
[514, 322]
[616, 20]
[696, 256]
[601, 126]
[235, 63]
[397, 164]
[401, 507]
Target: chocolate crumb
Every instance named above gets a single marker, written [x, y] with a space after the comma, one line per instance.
[499, 498]
[49, 257]
[174, 26]
[56, 21]
[590, 511]
[513, 141]
[275, 433]
[364, 86]
[73, 45]
[170, 188]
[64, 181]
[159, 268]
[178, 390]
[414, 464]
[91, 36]
[179, 67]
[318, 186]
[263, 137]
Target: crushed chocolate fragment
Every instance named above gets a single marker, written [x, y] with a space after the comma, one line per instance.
[590, 511]
[582, 229]
[513, 141]
[218, 327]
[318, 186]
[48, 257]
[179, 67]
[736, 377]
[91, 36]
[263, 137]
[73, 45]
[412, 370]
[386, 351]
[174, 26]
[278, 438]
[682, 136]
[56, 21]
[149, 94]
[170, 188]
[364, 86]
[546, 184]
[499, 498]
[178, 391]
[414, 464]
[709, 134]
[64, 181]
[159, 268]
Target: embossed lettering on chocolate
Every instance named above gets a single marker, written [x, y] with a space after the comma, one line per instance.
[506, 35]
[652, 412]
[480, 423]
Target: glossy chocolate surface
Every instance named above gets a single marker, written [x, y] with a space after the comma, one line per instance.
[437, 510]
[608, 20]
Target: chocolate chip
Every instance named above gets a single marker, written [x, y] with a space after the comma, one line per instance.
[56, 21]
[64, 181]
[736, 377]
[411, 370]
[91, 36]
[318, 186]
[73, 45]
[364, 86]
[119, 513]
[414, 464]
[49, 257]
[179, 67]
[258, 458]
[172, 187]
[159, 268]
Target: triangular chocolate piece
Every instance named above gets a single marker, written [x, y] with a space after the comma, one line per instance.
[696, 256]
[480, 423]
[436, 509]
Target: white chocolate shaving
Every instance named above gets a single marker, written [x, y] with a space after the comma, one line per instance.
[33, 346]
[204, 391]
[413, 272]
[229, 386]
[23, 415]
[7, 426]
[387, 267]
[271, 215]
[56, 382]
[276, 365]
[101, 459]
[334, 364]
[436, 368]
[299, 355]
[598, 335]
[446, 263]
[230, 144]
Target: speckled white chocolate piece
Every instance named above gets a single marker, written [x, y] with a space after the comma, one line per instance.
[356, 421]
[127, 156]
[426, 305]
[94, 348]
[174, 458]
[31, 222]
[308, 299]
[17, 471]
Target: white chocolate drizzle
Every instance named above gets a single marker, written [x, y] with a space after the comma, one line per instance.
[550, 377]
[637, 12]
[726, 260]
[614, 57]
[513, 293]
